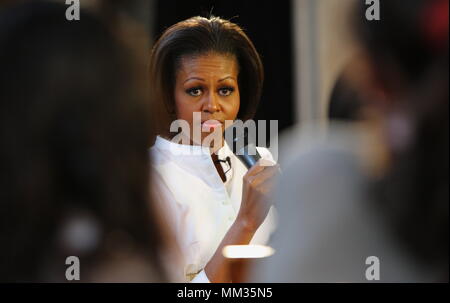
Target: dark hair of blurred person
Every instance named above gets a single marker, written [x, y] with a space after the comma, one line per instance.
[345, 101]
[74, 133]
[408, 59]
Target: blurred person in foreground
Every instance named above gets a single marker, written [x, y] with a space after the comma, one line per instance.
[74, 133]
[374, 192]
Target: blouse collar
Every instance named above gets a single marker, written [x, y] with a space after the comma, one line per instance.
[197, 159]
[177, 149]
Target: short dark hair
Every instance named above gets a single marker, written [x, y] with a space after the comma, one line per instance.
[196, 36]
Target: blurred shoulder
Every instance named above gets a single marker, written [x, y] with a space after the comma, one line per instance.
[316, 142]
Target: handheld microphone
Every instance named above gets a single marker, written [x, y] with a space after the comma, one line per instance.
[241, 147]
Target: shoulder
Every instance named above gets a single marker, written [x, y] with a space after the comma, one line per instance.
[160, 153]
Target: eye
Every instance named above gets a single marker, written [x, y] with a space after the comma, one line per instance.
[194, 92]
[226, 91]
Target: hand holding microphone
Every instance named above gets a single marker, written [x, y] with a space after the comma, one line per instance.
[257, 187]
[258, 183]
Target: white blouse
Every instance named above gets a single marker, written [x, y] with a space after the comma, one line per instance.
[199, 206]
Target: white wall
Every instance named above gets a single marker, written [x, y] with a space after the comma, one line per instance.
[323, 43]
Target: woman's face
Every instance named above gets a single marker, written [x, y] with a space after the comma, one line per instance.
[207, 84]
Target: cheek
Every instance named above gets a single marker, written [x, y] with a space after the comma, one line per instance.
[233, 108]
[183, 108]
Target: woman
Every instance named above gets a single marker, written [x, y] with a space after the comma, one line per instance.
[208, 67]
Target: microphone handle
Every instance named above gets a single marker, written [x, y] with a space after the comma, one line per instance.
[248, 160]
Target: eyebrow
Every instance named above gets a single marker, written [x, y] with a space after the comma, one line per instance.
[201, 79]
[228, 77]
[193, 78]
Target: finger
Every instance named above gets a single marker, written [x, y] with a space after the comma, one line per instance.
[260, 166]
[255, 169]
[268, 173]
[268, 185]
[266, 162]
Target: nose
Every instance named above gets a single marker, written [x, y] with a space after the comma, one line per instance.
[211, 104]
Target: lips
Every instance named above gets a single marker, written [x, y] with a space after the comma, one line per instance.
[209, 125]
